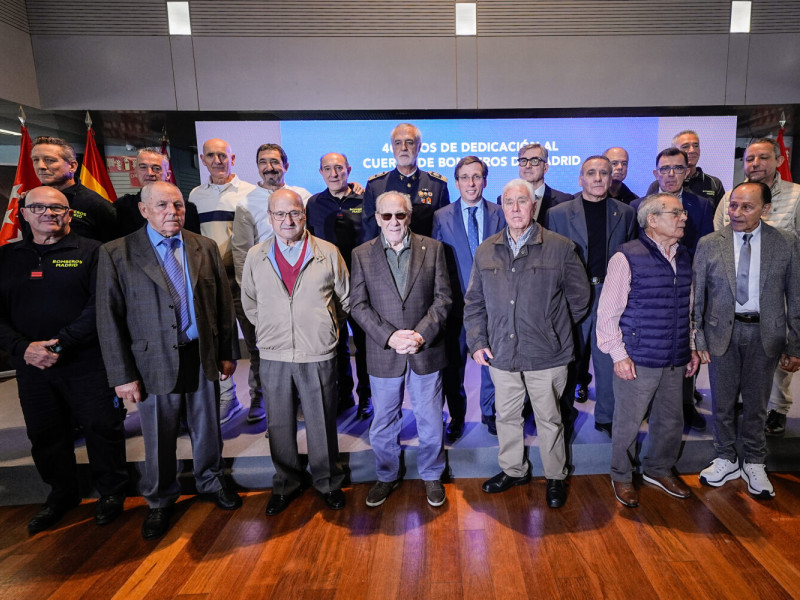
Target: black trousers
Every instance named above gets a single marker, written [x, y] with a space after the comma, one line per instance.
[343, 368]
[51, 399]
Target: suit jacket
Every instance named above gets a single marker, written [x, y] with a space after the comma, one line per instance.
[569, 219]
[779, 292]
[699, 222]
[550, 198]
[136, 321]
[380, 309]
[448, 228]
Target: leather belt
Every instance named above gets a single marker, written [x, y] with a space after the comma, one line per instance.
[747, 317]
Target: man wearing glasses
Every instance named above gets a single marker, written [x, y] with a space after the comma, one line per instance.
[462, 227]
[643, 324]
[672, 166]
[401, 297]
[47, 325]
[532, 160]
[296, 291]
[427, 190]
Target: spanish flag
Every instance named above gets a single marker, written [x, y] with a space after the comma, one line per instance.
[24, 181]
[784, 169]
[94, 174]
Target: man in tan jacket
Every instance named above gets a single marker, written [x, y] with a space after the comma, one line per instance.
[296, 291]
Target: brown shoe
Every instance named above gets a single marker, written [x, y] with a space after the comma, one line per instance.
[626, 493]
[670, 484]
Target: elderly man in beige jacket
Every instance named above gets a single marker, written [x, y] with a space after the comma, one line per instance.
[296, 291]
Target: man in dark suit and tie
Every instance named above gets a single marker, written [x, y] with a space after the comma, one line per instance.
[427, 190]
[167, 329]
[461, 227]
[597, 224]
[400, 295]
[747, 317]
[532, 160]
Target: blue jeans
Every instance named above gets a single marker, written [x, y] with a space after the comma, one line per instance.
[384, 434]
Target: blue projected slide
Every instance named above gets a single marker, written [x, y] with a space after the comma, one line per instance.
[496, 141]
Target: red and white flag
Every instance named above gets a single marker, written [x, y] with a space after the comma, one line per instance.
[171, 177]
[24, 181]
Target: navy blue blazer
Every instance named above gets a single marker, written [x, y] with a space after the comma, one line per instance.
[569, 219]
[699, 221]
[448, 228]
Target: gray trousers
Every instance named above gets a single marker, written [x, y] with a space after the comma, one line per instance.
[544, 388]
[745, 369]
[315, 383]
[160, 416]
[663, 388]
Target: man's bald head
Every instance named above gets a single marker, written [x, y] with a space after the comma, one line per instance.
[218, 158]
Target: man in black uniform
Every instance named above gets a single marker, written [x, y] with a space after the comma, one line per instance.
[696, 182]
[151, 166]
[47, 325]
[334, 215]
[428, 190]
[93, 216]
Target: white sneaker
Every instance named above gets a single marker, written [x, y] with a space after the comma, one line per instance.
[720, 470]
[757, 481]
[228, 408]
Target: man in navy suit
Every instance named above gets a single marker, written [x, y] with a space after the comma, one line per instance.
[462, 227]
[672, 167]
[597, 224]
[532, 160]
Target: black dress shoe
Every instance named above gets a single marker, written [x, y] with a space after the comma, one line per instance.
[501, 482]
[49, 515]
[109, 508]
[334, 500]
[455, 429]
[156, 523]
[581, 393]
[556, 493]
[279, 502]
[224, 498]
[364, 409]
[604, 427]
[491, 424]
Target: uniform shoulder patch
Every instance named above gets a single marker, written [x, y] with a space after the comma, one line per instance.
[379, 175]
[437, 176]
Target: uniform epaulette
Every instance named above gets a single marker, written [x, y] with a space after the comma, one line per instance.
[437, 176]
[379, 175]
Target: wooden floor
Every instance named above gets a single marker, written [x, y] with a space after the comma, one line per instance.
[718, 544]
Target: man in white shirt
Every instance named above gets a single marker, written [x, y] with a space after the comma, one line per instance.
[216, 203]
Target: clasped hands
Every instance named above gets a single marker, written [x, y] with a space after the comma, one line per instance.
[406, 341]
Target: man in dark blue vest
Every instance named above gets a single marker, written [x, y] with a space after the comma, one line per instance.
[643, 324]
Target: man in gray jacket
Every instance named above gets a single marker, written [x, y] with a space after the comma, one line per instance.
[527, 288]
[296, 291]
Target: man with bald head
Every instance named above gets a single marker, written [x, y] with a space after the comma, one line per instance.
[216, 202]
[296, 291]
[334, 215]
[151, 166]
[619, 171]
[47, 326]
[167, 330]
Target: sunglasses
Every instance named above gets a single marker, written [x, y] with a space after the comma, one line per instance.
[401, 216]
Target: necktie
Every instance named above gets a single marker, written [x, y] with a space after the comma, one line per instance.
[472, 230]
[743, 272]
[176, 283]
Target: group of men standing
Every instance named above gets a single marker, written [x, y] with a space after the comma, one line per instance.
[531, 289]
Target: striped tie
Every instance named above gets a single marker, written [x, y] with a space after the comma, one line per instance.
[176, 283]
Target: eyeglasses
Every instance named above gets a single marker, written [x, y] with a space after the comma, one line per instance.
[679, 169]
[40, 209]
[401, 216]
[473, 178]
[534, 162]
[281, 215]
[676, 212]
